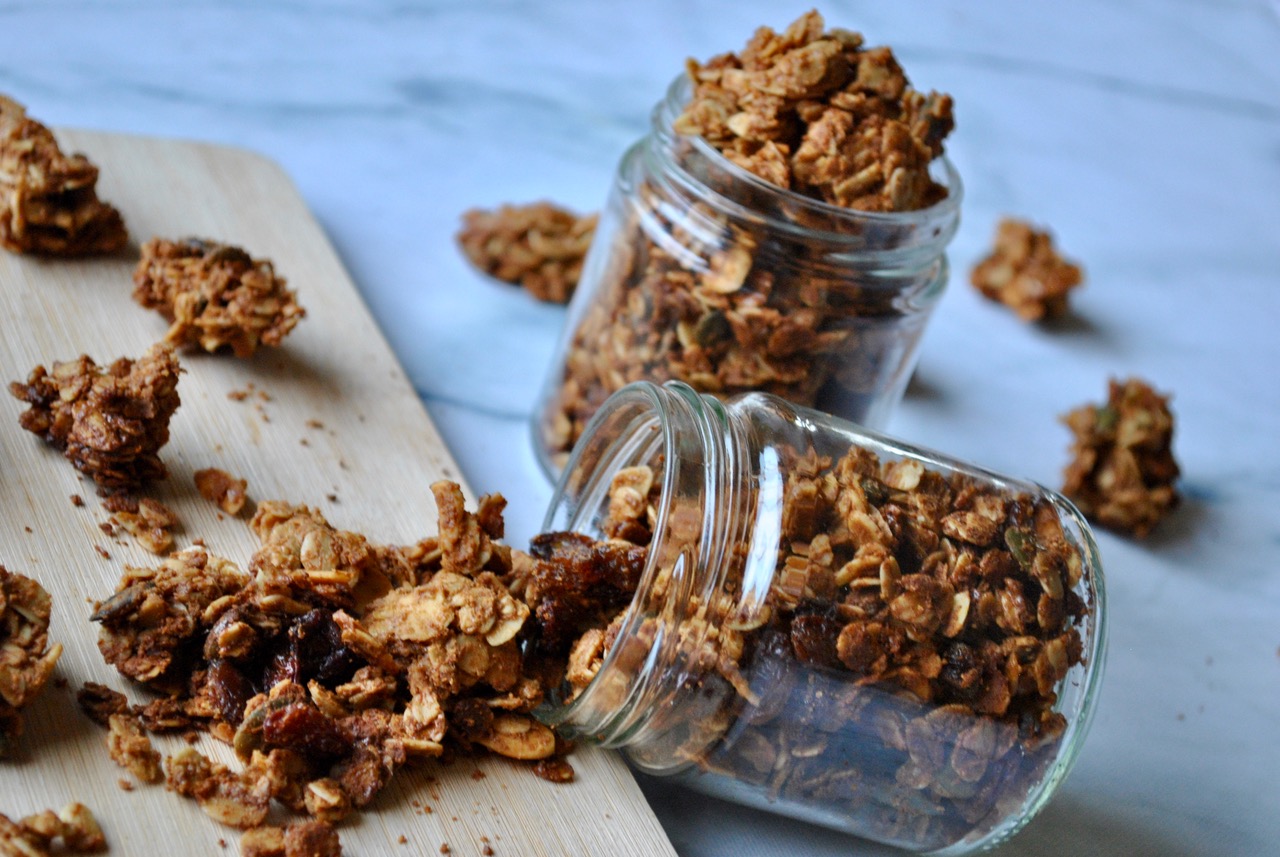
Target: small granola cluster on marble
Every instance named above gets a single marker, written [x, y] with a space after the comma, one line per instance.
[109, 422]
[72, 830]
[1122, 472]
[539, 246]
[329, 665]
[26, 658]
[819, 113]
[48, 200]
[1026, 273]
[215, 295]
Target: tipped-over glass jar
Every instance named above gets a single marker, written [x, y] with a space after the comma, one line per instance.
[704, 273]
[830, 624]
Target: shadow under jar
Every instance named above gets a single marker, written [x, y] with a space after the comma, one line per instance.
[832, 625]
[704, 273]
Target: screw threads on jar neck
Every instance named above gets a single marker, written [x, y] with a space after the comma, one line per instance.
[697, 446]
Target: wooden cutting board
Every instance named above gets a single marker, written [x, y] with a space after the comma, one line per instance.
[337, 426]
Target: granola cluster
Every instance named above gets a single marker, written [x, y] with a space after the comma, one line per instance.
[215, 295]
[1122, 472]
[1025, 272]
[26, 658]
[788, 298]
[539, 246]
[73, 830]
[219, 487]
[329, 665]
[110, 422]
[818, 113]
[48, 200]
[901, 669]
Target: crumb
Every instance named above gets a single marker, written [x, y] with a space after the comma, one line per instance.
[102, 552]
[218, 486]
[403, 840]
[315, 424]
[124, 785]
[77, 500]
[478, 775]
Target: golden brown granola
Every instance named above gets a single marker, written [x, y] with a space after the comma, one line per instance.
[48, 200]
[73, 830]
[218, 486]
[130, 748]
[1026, 273]
[215, 295]
[109, 422]
[903, 667]
[817, 112]
[310, 838]
[148, 521]
[26, 658]
[1122, 472]
[539, 246]
[333, 664]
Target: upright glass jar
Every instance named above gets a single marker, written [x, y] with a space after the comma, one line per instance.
[833, 625]
[704, 273]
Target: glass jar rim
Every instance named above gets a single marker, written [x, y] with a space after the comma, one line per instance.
[936, 224]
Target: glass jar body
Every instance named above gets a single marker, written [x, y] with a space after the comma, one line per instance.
[703, 273]
[835, 626]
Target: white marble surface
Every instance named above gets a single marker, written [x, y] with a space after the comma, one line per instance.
[1145, 132]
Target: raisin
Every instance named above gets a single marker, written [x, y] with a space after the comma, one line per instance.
[301, 727]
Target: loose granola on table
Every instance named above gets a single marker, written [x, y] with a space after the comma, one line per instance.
[149, 521]
[902, 670]
[109, 422]
[729, 304]
[27, 659]
[1122, 472]
[48, 200]
[330, 664]
[539, 246]
[72, 830]
[218, 486]
[214, 295]
[1026, 273]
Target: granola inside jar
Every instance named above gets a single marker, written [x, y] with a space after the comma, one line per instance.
[829, 624]
[705, 273]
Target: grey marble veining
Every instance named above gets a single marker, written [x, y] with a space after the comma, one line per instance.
[1145, 133]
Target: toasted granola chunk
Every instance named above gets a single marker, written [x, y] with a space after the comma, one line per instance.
[72, 830]
[27, 659]
[1122, 472]
[149, 522]
[225, 796]
[817, 112]
[131, 749]
[99, 702]
[539, 246]
[109, 422]
[48, 200]
[214, 295]
[218, 486]
[1026, 273]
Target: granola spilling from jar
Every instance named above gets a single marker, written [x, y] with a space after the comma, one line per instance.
[71, 830]
[1122, 472]
[729, 286]
[902, 668]
[215, 296]
[329, 665]
[1026, 273]
[818, 112]
[109, 422]
[539, 246]
[27, 659]
[49, 200]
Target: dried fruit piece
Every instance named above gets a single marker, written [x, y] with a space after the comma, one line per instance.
[215, 295]
[48, 200]
[109, 422]
[26, 658]
[1122, 472]
[1026, 273]
[539, 246]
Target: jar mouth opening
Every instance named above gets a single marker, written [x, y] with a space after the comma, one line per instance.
[788, 210]
[635, 429]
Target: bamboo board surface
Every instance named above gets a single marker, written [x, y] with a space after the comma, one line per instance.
[342, 430]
